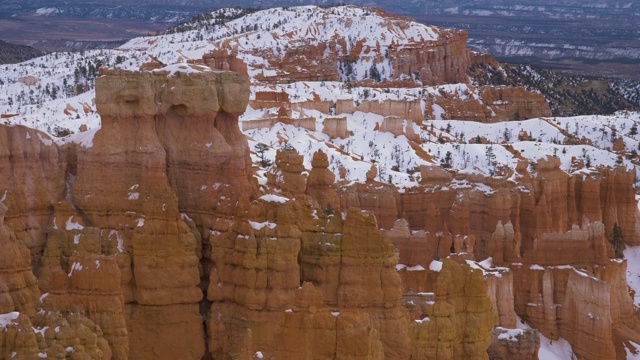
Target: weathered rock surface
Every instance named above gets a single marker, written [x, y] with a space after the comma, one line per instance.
[287, 174]
[129, 260]
[174, 145]
[32, 178]
[18, 286]
[457, 325]
[320, 181]
[258, 304]
[514, 344]
[51, 335]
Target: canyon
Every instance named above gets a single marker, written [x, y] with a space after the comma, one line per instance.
[240, 201]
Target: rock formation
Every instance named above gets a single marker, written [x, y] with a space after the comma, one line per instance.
[19, 290]
[335, 127]
[151, 238]
[457, 323]
[130, 254]
[393, 124]
[29, 154]
[157, 229]
[492, 105]
[514, 344]
[320, 181]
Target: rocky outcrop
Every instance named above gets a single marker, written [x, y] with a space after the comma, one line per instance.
[224, 58]
[79, 277]
[33, 326]
[173, 143]
[258, 304]
[19, 290]
[514, 103]
[458, 324]
[591, 309]
[335, 127]
[29, 154]
[543, 230]
[511, 223]
[373, 196]
[393, 124]
[287, 175]
[320, 181]
[442, 62]
[493, 104]
[51, 335]
[439, 61]
[405, 109]
[514, 344]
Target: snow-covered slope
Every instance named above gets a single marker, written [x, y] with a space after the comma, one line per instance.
[278, 28]
[55, 93]
[65, 75]
[448, 143]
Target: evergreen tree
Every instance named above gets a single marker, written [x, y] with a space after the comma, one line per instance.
[490, 155]
[618, 241]
[261, 149]
[446, 162]
[374, 73]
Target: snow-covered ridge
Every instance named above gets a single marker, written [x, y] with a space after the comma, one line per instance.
[54, 93]
[272, 33]
[304, 25]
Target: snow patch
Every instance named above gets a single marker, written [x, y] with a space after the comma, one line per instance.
[274, 198]
[510, 334]
[76, 266]
[435, 265]
[119, 239]
[416, 268]
[72, 225]
[260, 225]
[632, 254]
[46, 11]
[6, 319]
[550, 349]
[44, 140]
[84, 139]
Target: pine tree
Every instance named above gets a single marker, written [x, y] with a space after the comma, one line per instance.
[618, 241]
[261, 149]
[446, 162]
[490, 155]
[374, 73]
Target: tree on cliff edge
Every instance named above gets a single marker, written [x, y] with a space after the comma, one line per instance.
[618, 241]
